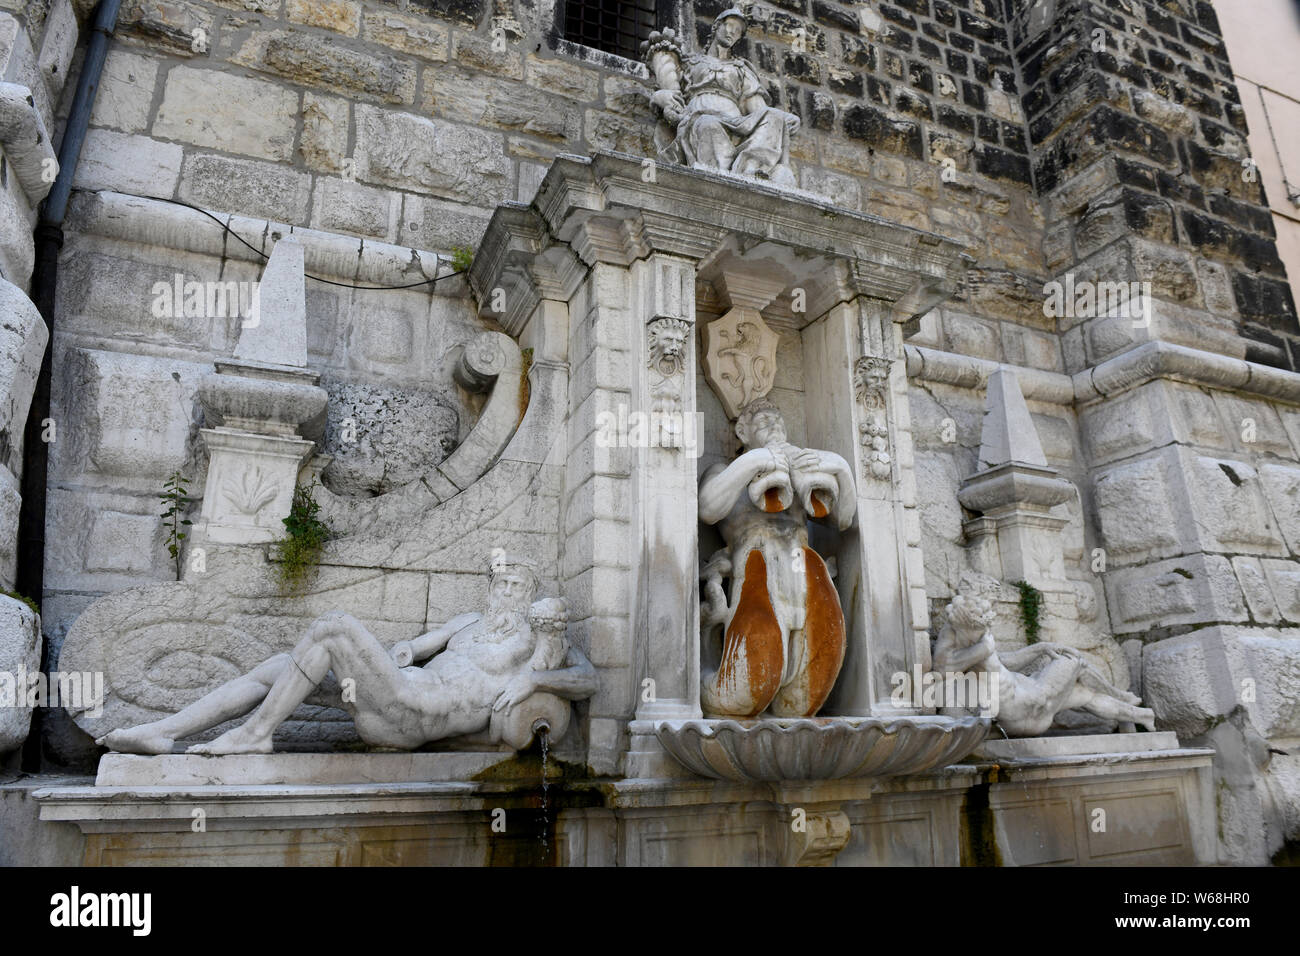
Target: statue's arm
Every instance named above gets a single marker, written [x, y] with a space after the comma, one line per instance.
[1018, 660]
[576, 680]
[846, 501]
[722, 486]
[426, 645]
[950, 658]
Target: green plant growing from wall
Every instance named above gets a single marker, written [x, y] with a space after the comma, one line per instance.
[300, 549]
[18, 597]
[462, 257]
[176, 499]
[1031, 603]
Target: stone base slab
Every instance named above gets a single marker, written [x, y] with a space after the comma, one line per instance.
[196, 770]
[1156, 808]
[1072, 746]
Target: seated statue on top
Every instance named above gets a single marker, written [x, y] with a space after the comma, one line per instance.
[716, 113]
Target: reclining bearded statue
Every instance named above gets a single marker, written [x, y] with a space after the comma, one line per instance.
[715, 110]
[1035, 683]
[500, 672]
[783, 634]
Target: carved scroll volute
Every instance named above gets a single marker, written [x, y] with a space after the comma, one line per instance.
[871, 388]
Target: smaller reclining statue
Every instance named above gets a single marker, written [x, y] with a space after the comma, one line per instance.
[716, 113]
[506, 672]
[1035, 683]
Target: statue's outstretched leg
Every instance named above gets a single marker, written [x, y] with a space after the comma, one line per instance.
[232, 699]
[337, 642]
[752, 656]
[1110, 708]
[818, 648]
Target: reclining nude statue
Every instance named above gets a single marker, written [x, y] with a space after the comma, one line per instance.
[481, 668]
[715, 110]
[1034, 684]
[783, 629]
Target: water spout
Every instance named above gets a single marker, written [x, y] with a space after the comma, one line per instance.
[542, 729]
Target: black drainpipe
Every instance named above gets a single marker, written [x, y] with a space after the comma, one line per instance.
[49, 240]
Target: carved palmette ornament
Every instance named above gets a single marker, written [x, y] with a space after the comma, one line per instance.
[871, 387]
[739, 358]
[250, 492]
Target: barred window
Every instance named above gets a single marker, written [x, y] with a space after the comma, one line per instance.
[609, 25]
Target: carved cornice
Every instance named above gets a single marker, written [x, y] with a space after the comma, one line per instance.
[605, 211]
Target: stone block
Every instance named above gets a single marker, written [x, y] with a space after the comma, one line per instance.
[1255, 587]
[234, 114]
[121, 543]
[429, 223]
[178, 27]
[967, 335]
[1281, 484]
[23, 337]
[125, 95]
[417, 37]
[17, 250]
[246, 186]
[348, 207]
[10, 504]
[1284, 581]
[135, 165]
[324, 141]
[1273, 665]
[1121, 426]
[478, 53]
[605, 640]
[1135, 505]
[57, 47]
[1188, 682]
[1226, 506]
[1192, 589]
[598, 591]
[116, 298]
[566, 79]
[133, 418]
[429, 155]
[1255, 426]
[1194, 417]
[20, 653]
[341, 16]
[323, 61]
[605, 131]
[513, 107]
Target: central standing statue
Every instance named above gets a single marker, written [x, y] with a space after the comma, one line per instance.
[715, 110]
[783, 629]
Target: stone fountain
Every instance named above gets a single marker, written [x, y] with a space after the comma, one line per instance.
[691, 430]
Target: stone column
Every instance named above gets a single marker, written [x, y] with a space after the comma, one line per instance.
[665, 520]
[859, 411]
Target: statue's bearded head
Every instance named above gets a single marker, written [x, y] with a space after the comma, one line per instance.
[761, 424]
[513, 584]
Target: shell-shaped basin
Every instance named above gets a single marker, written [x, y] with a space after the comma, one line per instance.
[820, 748]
